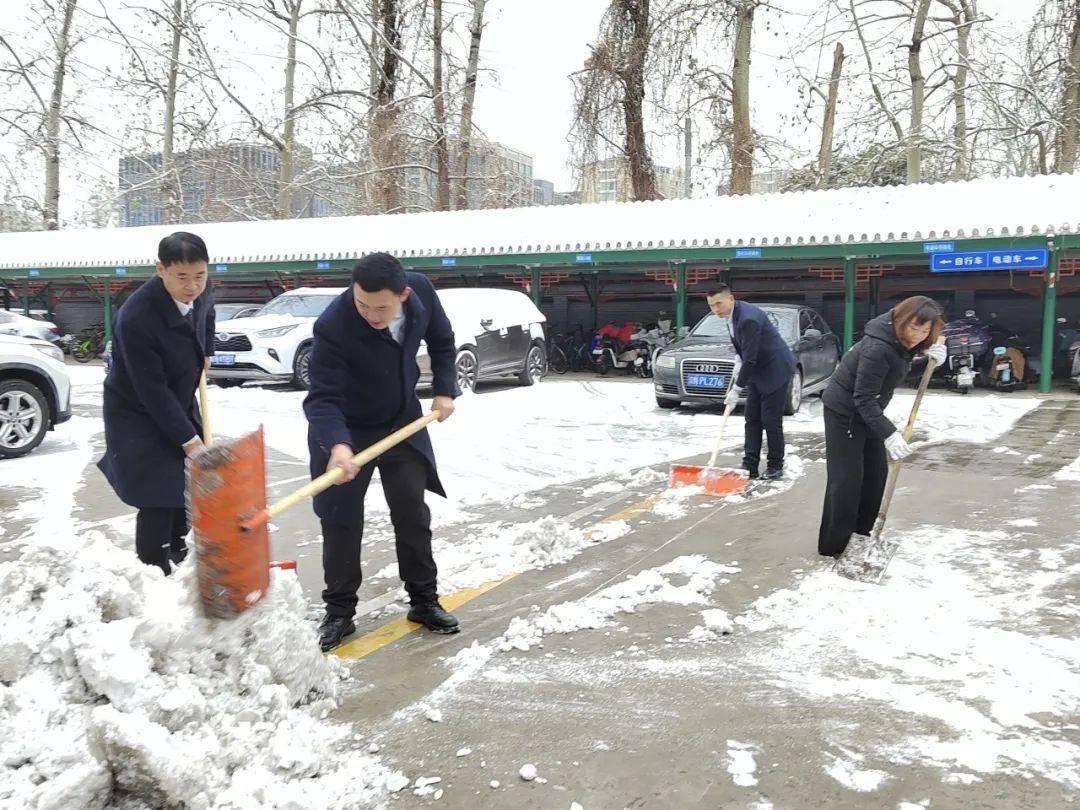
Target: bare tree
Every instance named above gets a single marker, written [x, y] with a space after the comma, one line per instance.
[43, 75]
[918, 93]
[1069, 115]
[442, 147]
[476, 30]
[742, 132]
[829, 123]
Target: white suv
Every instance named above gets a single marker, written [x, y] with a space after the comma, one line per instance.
[274, 344]
[35, 393]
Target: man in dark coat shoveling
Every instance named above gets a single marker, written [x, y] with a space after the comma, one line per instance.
[163, 338]
[363, 387]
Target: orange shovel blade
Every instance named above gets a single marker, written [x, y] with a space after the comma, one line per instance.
[226, 482]
[713, 480]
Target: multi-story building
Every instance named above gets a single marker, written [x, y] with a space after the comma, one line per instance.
[497, 177]
[609, 181]
[228, 182]
[543, 192]
[769, 181]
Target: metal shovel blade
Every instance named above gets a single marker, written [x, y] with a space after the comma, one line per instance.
[225, 483]
[713, 480]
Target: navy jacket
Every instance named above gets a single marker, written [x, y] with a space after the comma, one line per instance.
[767, 361]
[866, 378]
[363, 386]
[149, 405]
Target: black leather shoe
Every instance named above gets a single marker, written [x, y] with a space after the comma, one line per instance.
[434, 618]
[772, 473]
[333, 629]
[752, 473]
[177, 555]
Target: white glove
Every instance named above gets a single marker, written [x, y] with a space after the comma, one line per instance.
[897, 448]
[937, 353]
[733, 394]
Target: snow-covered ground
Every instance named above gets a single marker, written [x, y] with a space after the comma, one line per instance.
[110, 677]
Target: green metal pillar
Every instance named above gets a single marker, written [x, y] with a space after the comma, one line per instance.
[534, 287]
[875, 296]
[106, 300]
[849, 303]
[680, 298]
[26, 304]
[1046, 374]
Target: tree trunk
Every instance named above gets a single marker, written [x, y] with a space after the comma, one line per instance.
[384, 124]
[918, 95]
[51, 209]
[963, 22]
[442, 148]
[288, 133]
[829, 124]
[688, 157]
[742, 133]
[170, 182]
[476, 30]
[632, 74]
[1069, 137]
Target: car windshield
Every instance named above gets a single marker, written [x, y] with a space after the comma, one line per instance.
[300, 306]
[785, 321]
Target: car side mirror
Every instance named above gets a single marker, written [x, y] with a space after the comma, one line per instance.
[812, 333]
[486, 322]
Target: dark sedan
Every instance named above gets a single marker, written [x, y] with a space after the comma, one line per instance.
[699, 368]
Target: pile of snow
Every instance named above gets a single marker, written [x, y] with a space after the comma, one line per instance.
[113, 684]
[1071, 472]
[945, 417]
[741, 764]
[953, 639]
[717, 624]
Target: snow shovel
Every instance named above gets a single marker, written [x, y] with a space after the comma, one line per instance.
[227, 504]
[714, 480]
[866, 558]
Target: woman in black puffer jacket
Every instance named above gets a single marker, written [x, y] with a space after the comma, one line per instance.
[859, 439]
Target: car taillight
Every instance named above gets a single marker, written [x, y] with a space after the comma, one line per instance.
[55, 330]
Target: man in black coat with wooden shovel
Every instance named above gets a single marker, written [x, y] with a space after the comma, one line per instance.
[363, 387]
[162, 343]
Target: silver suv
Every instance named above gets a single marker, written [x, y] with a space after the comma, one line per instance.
[35, 393]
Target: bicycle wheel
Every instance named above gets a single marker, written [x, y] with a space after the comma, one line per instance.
[557, 361]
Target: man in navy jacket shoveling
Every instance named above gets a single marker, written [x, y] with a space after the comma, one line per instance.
[764, 374]
[363, 387]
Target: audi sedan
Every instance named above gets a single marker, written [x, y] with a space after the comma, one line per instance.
[699, 369]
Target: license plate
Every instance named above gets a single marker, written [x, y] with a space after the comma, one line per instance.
[223, 360]
[706, 380]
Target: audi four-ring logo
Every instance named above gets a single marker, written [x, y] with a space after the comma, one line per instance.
[709, 368]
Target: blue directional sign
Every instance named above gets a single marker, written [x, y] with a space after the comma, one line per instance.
[33, 273]
[121, 271]
[322, 265]
[747, 253]
[449, 262]
[938, 247]
[221, 268]
[1031, 259]
[583, 258]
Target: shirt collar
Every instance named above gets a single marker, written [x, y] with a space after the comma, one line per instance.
[184, 308]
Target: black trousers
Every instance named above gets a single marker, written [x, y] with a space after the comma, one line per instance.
[160, 534]
[404, 473]
[764, 413]
[857, 467]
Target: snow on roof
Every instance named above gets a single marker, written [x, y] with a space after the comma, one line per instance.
[988, 207]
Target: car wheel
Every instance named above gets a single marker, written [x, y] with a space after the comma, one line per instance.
[535, 366]
[666, 404]
[794, 395]
[467, 368]
[24, 417]
[302, 368]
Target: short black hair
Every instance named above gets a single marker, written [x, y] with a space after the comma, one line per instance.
[182, 248]
[379, 271]
[718, 289]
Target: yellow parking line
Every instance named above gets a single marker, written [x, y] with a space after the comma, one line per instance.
[401, 627]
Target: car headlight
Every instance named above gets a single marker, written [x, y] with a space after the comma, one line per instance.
[665, 361]
[277, 331]
[49, 350]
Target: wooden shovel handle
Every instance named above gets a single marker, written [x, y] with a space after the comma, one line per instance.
[332, 477]
[924, 383]
[204, 411]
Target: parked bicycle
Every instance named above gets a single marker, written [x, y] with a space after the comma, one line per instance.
[568, 352]
[89, 343]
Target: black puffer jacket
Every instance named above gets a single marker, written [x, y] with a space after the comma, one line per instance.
[863, 384]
